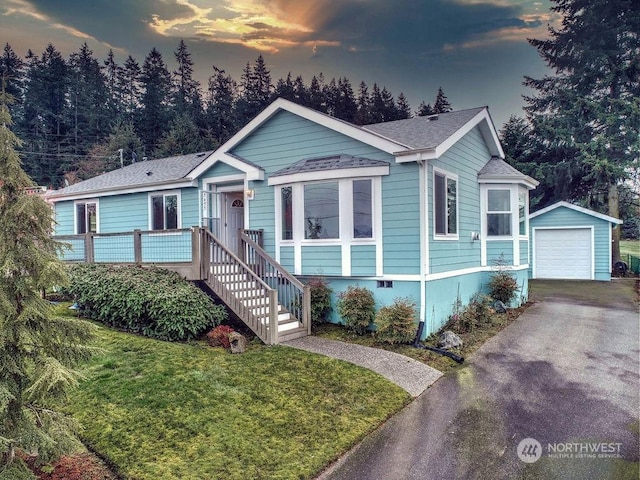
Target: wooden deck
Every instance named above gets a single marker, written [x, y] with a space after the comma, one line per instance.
[262, 293]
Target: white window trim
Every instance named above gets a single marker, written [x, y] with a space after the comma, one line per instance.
[323, 175]
[447, 176]
[75, 214]
[150, 210]
[513, 197]
[345, 201]
[525, 192]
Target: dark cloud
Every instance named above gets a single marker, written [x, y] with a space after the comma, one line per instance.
[417, 26]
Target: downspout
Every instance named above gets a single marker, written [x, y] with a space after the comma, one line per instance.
[424, 239]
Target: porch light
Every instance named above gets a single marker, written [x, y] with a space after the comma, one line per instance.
[249, 194]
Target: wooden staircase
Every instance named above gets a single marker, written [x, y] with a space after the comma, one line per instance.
[256, 288]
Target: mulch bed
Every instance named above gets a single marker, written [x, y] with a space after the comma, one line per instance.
[79, 466]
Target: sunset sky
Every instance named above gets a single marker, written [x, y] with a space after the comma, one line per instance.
[475, 49]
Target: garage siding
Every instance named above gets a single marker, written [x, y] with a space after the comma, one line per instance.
[563, 218]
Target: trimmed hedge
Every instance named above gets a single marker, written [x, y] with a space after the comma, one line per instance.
[150, 301]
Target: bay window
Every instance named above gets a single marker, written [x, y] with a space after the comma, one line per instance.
[321, 211]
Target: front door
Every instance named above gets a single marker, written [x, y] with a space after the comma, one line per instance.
[234, 218]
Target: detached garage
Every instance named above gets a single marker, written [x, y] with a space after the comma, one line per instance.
[571, 242]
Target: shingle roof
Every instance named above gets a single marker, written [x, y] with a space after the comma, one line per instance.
[498, 167]
[138, 174]
[334, 162]
[424, 132]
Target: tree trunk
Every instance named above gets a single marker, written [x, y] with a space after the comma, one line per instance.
[614, 212]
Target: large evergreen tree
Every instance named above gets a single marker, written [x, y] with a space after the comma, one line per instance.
[37, 350]
[441, 105]
[12, 69]
[220, 114]
[186, 91]
[590, 106]
[155, 113]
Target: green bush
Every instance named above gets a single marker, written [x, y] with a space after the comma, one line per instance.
[320, 299]
[503, 285]
[396, 323]
[477, 312]
[357, 307]
[152, 301]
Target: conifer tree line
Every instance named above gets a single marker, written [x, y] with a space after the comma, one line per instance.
[82, 116]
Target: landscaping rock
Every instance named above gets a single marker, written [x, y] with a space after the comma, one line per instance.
[238, 342]
[499, 307]
[449, 340]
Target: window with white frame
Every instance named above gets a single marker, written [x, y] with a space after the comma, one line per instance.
[322, 210]
[332, 210]
[164, 211]
[86, 217]
[445, 204]
[362, 209]
[523, 208]
[498, 212]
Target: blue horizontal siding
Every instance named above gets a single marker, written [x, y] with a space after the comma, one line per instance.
[317, 260]
[524, 252]
[287, 258]
[497, 248]
[124, 213]
[63, 215]
[219, 169]
[363, 260]
[463, 159]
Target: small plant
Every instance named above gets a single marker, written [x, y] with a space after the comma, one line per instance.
[477, 312]
[356, 306]
[503, 285]
[219, 336]
[396, 323]
[320, 299]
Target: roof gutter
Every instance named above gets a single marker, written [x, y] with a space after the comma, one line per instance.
[106, 192]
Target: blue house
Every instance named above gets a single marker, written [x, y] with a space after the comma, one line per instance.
[571, 242]
[419, 208]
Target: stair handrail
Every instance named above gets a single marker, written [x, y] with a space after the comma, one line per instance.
[272, 338]
[305, 290]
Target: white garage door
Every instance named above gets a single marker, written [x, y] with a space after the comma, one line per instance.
[563, 253]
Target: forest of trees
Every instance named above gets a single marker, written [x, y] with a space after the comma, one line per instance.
[75, 115]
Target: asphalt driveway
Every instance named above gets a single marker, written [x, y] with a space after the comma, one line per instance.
[555, 395]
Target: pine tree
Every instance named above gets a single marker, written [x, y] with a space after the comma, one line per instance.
[156, 98]
[186, 91]
[441, 104]
[113, 80]
[221, 119]
[424, 110]
[130, 88]
[37, 351]
[403, 108]
[591, 104]
[363, 117]
[12, 69]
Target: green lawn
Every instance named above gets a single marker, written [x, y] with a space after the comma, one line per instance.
[629, 247]
[159, 410]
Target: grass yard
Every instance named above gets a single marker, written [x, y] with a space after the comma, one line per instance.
[630, 247]
[158, 410]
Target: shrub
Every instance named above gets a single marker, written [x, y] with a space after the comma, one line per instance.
[356, 306]
[477, 312]
[503, 285]
[320, 299]
[152, 301]
[396, 323]
[219, 336]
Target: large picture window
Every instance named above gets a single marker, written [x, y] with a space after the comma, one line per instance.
[498, 212]
[321, 211]
[164, 211]
[86, 217]
[445, 199]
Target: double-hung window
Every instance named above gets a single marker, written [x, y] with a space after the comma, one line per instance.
[322, 210]
[86, 217]
[445, 204]
[164, 211]
[498, 212]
